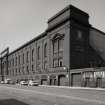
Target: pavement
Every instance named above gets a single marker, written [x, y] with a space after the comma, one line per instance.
[67, 87]
[50, 95]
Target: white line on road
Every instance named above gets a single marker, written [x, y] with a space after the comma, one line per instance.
[58, 95]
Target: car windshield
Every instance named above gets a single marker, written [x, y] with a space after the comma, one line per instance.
[23, 81]
[34, 82]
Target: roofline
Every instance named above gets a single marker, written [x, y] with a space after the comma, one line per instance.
[52, 18]
[59, 13]
[40, 36]
[65, 9]
[29, 42]
[98, 30]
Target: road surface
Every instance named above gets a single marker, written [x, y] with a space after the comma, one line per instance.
[42, 95]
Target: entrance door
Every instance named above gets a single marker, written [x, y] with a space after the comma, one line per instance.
[62, 80]
[44, 81]
[52, 81]
[76, 79]
[98, 82]
[87, 82]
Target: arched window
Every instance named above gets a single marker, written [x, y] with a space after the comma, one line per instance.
[38, 53]
[23, 58]
[27, 55]
[45, 50]
[16, 61]
[19, 59]
[32, 54]
[57, 42]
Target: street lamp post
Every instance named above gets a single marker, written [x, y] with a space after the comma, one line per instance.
[69, 76]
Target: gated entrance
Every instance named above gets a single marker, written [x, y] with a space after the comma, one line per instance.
[76, 79]
[62, 80]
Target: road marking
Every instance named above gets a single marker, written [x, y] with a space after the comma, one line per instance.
[56, 95]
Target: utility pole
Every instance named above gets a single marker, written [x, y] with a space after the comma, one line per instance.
[3, 54]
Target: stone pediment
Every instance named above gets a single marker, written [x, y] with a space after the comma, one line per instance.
[57, 36]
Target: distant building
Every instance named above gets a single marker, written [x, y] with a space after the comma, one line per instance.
[70, 52]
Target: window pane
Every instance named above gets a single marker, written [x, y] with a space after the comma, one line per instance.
[38, 52]
[27, 55]
[45, 50]
[55, 63]
[79, 34]
[32, 54]
[61, 44]
[19, 59]
[23, 58]
[16, 61]
[55, 46]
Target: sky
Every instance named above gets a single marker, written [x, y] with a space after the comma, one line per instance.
[22, 20]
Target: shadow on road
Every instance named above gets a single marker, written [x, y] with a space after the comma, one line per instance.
[11, 102]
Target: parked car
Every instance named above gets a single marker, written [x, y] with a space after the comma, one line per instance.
[23, 83]
[9, 81]
[2, 82]
[33, 83]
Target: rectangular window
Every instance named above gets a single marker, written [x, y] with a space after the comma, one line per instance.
[60, 62]
[38, 68]
[16, 72]
[13, 62]
[45, 65]
[19, 71]
[33, 68]
[79, 35]
[27, 70]
[55, 46]
[23, 71]
[10, 72]
[60, 44]
[55, 63]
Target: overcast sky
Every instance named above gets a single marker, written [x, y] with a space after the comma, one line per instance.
[22, 20]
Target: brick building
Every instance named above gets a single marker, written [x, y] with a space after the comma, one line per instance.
[69, 52]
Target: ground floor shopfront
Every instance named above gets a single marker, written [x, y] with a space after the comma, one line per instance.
[88, 77]
[59, 79]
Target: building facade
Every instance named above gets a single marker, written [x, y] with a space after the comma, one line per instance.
[70, 52]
